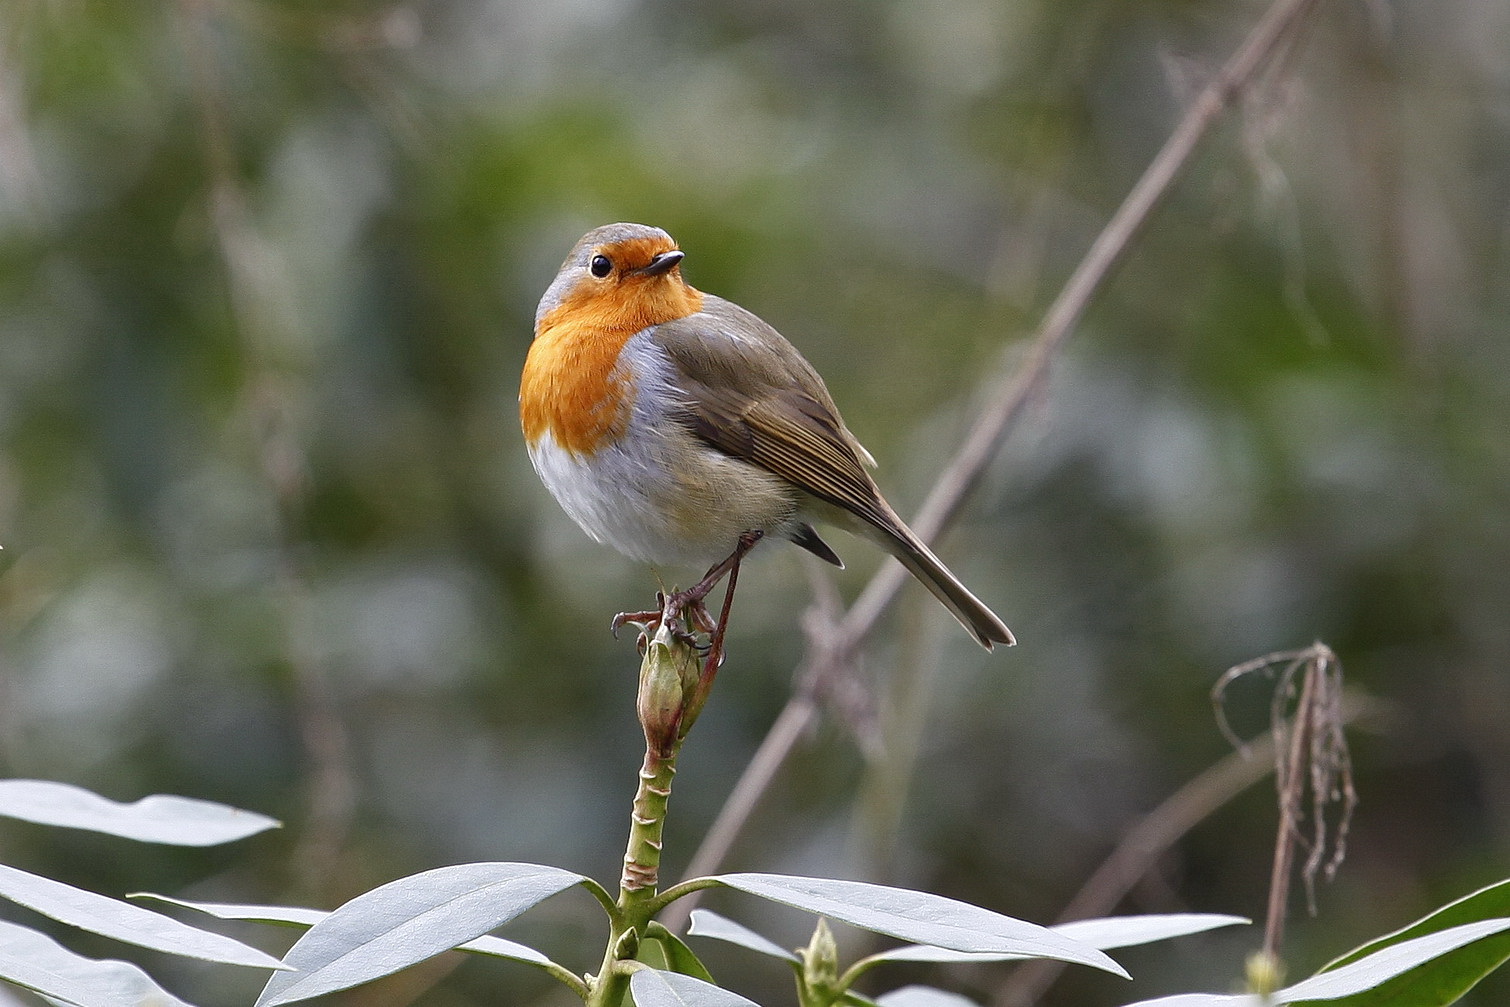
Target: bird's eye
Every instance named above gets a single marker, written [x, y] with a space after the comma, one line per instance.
[600, 266]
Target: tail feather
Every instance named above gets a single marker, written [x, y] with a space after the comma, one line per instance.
[920, 561]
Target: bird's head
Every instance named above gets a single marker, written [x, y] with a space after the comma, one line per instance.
[621, 278]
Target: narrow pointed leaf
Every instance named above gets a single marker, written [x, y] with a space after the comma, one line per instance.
[1206, 1000]
[1357, 982]
[407, 921]
[37, 962]
[1444, 979]
[676, 956]
[653, 988]
[1105, 934]
[303, 919]
[1491, 902]
[498, 947]
[282, 916]
[161, 818]
[1432, 979]
[125, 922]
[1130, 931]
[710, 924]
[923, 996]
[919, 917]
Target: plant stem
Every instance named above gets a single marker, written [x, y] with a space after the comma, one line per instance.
[642, 865]
[669, 691]
[1291, 784]
[642, 858]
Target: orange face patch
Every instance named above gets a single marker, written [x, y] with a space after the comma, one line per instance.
[569, 386]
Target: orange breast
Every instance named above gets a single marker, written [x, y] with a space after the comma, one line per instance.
[569, 385]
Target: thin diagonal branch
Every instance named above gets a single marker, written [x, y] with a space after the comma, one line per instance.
[964, 470]
[831, 652]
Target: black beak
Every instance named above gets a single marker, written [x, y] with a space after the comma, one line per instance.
[663, 263]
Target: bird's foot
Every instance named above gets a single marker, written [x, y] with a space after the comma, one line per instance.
[683, 611]
[687, 611]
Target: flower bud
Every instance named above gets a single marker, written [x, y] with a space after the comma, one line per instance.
[663, 673]
[1265, 974]
[820, 963]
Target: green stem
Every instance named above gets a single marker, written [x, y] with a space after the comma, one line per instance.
[637, 903]
[680, 890]
[642, 858]
[662, 706]
[568, 979]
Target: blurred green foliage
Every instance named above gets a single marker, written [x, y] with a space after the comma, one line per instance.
[267, 277]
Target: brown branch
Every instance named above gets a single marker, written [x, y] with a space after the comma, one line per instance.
[831, 651]
[1012, 395]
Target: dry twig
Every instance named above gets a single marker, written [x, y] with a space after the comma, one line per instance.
[1310, 753]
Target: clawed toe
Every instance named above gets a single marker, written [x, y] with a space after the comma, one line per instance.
[687, 612]
[648, 622]
[676, 607]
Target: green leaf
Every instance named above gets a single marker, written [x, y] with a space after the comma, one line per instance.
[677, 956]
[1449, 977]
[710, 924]
[125, 922]
[1428, 973]
[1370, 981]
[653, 988]
[652, 954]
[920, 917]
[1488, 903]
[296, 916]
[161, 818]
[407, 921]
[923, 996]
[42, 965]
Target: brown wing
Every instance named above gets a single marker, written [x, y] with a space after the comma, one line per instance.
[778, 416]
[748, 393]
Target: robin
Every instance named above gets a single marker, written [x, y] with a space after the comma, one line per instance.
[675, 425]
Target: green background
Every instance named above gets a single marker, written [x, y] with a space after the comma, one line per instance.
[267, 277]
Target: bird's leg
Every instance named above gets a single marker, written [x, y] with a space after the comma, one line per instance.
[715, 655]
[691, 601]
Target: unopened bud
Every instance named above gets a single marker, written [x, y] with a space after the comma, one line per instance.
[662, 691]
[820, 962]
[1264, 973]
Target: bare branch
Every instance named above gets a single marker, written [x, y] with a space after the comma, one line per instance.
[830, 652]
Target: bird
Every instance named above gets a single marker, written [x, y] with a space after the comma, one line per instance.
[680, 428]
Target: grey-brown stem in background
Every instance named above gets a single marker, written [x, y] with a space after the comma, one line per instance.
[831, 650]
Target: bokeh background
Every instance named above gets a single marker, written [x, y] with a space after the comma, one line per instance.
[267, 277]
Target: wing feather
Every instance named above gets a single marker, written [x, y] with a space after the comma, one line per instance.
[758, 400]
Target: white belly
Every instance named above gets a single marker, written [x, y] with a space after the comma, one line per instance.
[659, 494]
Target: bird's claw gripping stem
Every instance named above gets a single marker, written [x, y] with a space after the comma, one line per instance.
[691, 604]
